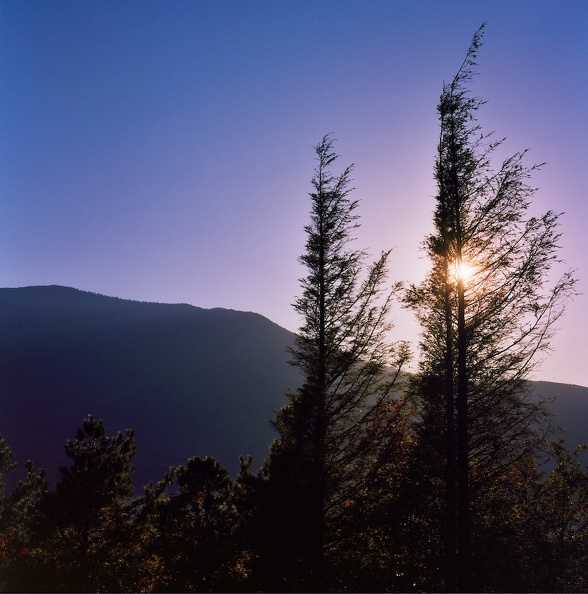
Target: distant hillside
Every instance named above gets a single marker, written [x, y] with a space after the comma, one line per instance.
[571, 409]
[190, 381]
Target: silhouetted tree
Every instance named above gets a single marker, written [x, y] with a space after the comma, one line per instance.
[338, 428]
[88, 517]
[24, 563]
[6, 463]
[533, 528]
[564, 513]
[194, 523]
[487, 309]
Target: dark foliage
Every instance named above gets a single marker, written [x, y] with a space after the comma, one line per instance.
[488, 308]
[199, 530]
[340, 429]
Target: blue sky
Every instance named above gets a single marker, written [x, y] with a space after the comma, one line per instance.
[162, 151]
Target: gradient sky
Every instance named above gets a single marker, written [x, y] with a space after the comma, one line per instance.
[163, 150]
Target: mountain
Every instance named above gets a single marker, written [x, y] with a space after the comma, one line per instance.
[570, 405]
[190, 381]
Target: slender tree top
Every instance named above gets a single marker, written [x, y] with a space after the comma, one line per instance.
[467, 69]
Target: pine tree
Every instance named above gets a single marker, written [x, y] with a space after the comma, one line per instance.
[563, 509]
[193, 523]
[24, 563]
[487, 309]
[88, 517]
[338, 428]
[6, 463]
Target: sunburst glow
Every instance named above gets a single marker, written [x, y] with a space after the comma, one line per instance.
[463, 271]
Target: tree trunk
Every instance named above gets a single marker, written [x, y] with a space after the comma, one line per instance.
[450, 544]
[463, 494]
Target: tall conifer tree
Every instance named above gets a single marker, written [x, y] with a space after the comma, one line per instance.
[337, 429]
[88, 515]
[487, 308]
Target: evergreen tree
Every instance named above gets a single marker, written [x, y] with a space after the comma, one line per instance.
[563, 506]
[88, 517]
[487, 309]
[193, 523]
[24, 563]
[533, 528]
[338, 428]
[6, 463]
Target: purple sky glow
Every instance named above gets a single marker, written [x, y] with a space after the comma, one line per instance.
[162, 150]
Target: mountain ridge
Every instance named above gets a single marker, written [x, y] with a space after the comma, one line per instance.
[189, 380]
[164, 376]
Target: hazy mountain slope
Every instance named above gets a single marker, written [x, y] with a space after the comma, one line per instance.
[571, 409]
[189, 381]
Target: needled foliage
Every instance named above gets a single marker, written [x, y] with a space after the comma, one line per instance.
[91, 527]
[199, 530]
[22, 562]
[23, 559]
[6, 462]
[192, 523]
[564, 518]
[79, 536]
[341, 430]
[487, 308]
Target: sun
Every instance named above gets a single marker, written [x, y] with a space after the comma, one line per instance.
[463, 271]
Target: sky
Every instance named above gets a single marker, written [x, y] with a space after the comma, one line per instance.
[163, 150]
